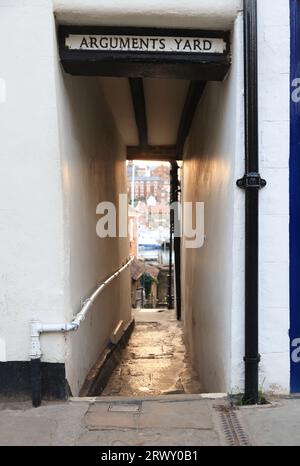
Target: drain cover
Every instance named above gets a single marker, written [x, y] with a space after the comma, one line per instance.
[233, 430]
[124, 408]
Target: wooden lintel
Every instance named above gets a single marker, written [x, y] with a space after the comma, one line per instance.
[156, 153]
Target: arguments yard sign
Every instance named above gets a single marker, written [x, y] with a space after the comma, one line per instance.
[145, 52]
[152, 44]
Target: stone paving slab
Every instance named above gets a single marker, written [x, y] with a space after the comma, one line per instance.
[51, 424]
[150, 437]
[274, 425]
[182, 415]
[160, 422]
[167, 421]
[155, 361]
[98, 417]
[189, 415]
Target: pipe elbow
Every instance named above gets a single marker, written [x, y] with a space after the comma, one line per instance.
[73, 327]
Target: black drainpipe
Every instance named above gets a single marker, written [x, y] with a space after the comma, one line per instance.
[175, 190]
[170, 276]
[36, 382]
[175, 243]
[251, 183]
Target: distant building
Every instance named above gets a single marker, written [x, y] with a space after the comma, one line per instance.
[148, 183]
[133, 222]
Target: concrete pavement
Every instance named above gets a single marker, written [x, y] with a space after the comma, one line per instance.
[179, 420]
[110, 421]
[275, 425]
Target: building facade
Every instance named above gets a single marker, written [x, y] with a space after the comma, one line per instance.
[149, 182]
[63, 151]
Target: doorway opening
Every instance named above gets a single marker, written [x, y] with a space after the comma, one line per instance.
[128, 117]
[151, 242]
[155, 361]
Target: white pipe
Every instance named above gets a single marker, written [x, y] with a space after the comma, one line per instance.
[133, 185]
[37, 328]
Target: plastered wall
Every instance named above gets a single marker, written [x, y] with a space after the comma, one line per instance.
[31, 221]
[94, 170]
[274, 85]
[209, 177]
[166, 13]
[215, 160]
[60, 156]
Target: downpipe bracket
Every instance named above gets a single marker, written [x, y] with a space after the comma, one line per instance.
[252, 360]
[251, 180]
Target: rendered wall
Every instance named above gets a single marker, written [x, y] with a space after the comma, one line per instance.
[209, 171]
[155, 13]
[60, 156]
[94, 170]
[273, 87]
[31, 220]
[212, 355]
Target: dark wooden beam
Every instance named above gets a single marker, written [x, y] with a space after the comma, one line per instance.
[194, 95]
[139, 105]
[156, 153]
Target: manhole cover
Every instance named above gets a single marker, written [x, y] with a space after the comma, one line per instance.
[124, 408]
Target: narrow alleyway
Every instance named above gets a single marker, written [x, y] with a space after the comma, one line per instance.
[155, 361]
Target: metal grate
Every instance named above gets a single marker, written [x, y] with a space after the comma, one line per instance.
[133, 408]
[233, 430]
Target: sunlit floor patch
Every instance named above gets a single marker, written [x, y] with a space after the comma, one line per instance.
[155, 361]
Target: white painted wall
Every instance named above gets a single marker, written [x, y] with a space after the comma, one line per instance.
[94, 170]
[165, 99]
[274, 69]
[209, 176]
[31, 220]
[164, 103]
[274, 85]
[60, 156]
[159, 13]
[118, 96]
[221, 335]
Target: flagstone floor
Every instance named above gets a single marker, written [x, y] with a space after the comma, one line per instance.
[155, 361]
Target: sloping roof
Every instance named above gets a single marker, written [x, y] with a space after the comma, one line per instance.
[154, 271]
[138, 268]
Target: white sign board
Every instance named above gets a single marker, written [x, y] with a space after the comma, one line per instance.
[150, 44]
